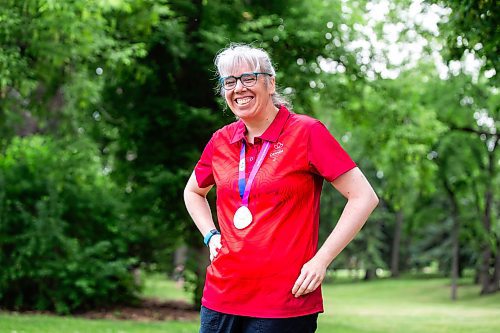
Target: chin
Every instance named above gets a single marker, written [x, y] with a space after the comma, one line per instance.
[245, 113]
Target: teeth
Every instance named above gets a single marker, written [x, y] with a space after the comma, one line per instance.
[242, 101]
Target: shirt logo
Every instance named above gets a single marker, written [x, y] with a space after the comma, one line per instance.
[278, 150]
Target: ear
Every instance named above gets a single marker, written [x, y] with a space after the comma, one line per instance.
[271, 87]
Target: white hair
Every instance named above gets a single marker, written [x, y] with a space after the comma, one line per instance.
[237, 55]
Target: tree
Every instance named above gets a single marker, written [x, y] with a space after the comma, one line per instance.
[51, 60]
[469, 109]
[472, 27]
[50, 83]
[165, 108]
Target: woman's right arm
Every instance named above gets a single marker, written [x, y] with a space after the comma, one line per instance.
[197, 206]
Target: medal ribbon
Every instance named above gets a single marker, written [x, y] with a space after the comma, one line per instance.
[244, 189]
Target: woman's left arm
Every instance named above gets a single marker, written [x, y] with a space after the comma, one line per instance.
[361, 201]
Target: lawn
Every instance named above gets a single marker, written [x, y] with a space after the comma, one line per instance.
[408, 306]
[388, 306]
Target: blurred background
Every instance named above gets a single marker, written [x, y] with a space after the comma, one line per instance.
[106, 105]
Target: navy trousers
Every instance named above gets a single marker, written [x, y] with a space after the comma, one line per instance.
[216, 322]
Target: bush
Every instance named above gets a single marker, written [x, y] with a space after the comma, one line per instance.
[62, 234]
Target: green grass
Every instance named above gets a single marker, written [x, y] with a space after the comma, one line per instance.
[407, 306]
[158, 286]
[50, 324]
[388, 306]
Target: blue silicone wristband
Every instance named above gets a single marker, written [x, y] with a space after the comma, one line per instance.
[209, 236]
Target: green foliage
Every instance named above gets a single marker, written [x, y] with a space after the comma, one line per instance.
[134, 81]
[472, 27]
[165, 108]
[367, 250]
[62, 239]
[52, 58]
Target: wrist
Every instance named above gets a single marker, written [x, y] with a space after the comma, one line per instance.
[323, 260]
[209, 236]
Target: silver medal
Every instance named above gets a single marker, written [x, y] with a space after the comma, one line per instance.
[242, 218]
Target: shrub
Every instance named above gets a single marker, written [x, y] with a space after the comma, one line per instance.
[62, 234]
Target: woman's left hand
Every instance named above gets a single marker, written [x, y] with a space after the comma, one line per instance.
[311, 275]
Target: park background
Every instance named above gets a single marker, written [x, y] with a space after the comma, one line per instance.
[106, 105]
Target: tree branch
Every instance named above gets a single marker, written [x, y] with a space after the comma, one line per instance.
[471, 130]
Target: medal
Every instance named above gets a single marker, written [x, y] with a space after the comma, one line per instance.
[243, 217]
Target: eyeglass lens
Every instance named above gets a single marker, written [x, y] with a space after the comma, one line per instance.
[247, 80]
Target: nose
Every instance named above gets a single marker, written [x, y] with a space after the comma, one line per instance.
[239, 85]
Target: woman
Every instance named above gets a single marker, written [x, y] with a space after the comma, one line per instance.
[268, 166]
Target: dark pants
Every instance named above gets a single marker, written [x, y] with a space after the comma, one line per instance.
[216, 322]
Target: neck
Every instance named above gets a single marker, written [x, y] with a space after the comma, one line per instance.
[256, 127]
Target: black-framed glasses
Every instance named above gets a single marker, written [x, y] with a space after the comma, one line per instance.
[247, 80]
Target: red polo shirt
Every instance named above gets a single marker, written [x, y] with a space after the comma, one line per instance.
[256, 268]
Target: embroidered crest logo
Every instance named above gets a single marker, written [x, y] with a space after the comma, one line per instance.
[278, 150]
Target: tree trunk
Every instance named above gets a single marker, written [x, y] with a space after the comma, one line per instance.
[484, 271]
[489, 282]
[195, 272]
[370, 274]
[496, 273]
[455, 240]
[396, 244]
[203, 260]
[455, 251]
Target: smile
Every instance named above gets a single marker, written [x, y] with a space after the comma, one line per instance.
[243, 101]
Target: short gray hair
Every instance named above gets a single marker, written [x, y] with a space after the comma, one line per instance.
[236, 55]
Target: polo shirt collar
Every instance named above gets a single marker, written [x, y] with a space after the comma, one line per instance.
[271, 134]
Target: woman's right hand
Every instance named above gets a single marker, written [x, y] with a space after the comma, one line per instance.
[214, 246]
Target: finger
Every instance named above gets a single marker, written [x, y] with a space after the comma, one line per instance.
[312, 286]
[297, 284]
[214, 252]
[303, 286]
[215, 245]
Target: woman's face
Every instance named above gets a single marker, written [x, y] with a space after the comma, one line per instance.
[248, 103]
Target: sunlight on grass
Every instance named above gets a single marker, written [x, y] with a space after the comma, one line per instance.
[158, 286]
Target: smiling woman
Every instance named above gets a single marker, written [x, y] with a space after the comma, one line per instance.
[268, 166]
[248, 85]
[237, 56]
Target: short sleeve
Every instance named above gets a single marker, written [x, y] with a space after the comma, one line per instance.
[203, 169]
[326, 156]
